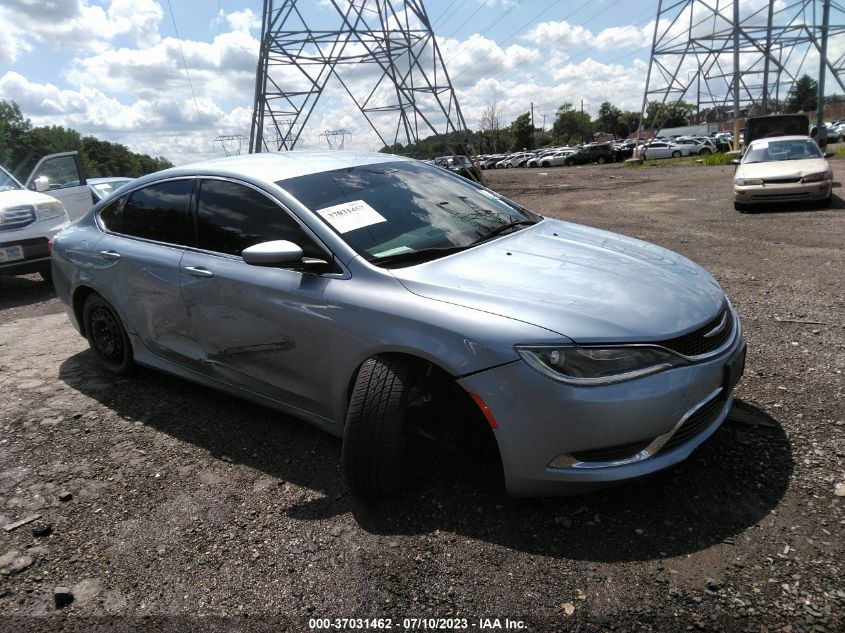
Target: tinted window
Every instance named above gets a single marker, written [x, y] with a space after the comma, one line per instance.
[158, 212]
[111, 215]
[232, 217]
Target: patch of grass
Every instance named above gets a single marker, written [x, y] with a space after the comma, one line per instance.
[709, 159]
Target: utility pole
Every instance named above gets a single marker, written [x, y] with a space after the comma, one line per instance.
[821, 137]
[767, 57]
[533, 129]
[736, 73]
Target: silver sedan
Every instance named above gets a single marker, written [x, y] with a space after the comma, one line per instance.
[355, 291]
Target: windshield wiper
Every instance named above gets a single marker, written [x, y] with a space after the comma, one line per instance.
[417, 256]
[501, 229]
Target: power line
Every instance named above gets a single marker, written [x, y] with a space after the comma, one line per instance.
[187, 74]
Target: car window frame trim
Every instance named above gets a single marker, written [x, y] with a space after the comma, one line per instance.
[193, 200]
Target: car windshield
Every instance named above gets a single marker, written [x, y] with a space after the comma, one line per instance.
[393, 209]
[793, 149]
[7, 183]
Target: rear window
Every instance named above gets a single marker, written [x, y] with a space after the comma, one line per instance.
[158, 212]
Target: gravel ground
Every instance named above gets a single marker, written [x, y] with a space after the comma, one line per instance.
[161, 504]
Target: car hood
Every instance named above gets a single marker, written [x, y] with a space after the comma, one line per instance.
[15, 197]
[783, 168]
[586, 284]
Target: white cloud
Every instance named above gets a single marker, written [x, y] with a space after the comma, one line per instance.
[243, 20]
[77, 25]
[558, 34]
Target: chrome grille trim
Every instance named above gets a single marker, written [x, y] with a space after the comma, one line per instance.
[17, 217]
[567, 460]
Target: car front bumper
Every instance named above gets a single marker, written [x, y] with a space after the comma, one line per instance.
[558, 439]
[782, 192]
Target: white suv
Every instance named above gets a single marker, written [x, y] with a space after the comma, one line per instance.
[28, 220]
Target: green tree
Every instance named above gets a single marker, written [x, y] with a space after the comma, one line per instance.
[608, 118]
[673, 114]
[21, 146]
[571, 126]
[13, 127]
[522, 132]
[804, 95]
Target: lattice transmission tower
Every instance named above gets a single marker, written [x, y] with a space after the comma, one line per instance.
[742, 56]
[383, 55]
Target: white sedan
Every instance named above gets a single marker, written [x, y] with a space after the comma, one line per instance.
[662, 149]
[782, 169]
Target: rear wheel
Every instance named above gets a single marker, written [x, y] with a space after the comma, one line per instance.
[676, 154]
[107, 336]
[600, 160]
[547, 164]
[374, 438]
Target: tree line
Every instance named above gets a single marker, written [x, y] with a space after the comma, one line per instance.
[22, 145]
[572, 126]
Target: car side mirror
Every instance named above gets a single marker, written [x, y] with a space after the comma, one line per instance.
[273, 253]
[829, 154]
[41, 184]
[735, 161]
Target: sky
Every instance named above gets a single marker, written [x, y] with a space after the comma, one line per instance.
[116, 69]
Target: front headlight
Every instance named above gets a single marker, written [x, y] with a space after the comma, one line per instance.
[50, 209]
[818, 177]
[592, 366]
[741, 182]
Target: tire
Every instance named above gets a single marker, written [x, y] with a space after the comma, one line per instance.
[509, 165]
[742, 208]
[825, 204]
[46, 274]
[704, 152]
[567, 163]
[547, 164]
[676, 154]
[374, 438]
[107, 336]
[600, 160]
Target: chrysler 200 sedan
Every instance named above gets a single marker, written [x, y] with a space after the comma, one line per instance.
[347, 289]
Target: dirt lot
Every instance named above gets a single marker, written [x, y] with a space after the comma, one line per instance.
[161, 501]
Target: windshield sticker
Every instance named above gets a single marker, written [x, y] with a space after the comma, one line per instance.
[763, 144]
[349, 216]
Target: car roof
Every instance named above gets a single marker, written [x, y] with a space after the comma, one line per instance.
[275, 166]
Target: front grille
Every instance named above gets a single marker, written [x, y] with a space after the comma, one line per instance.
[696, 343]
[612, 453]
[697, 422]
[780, 181]
[17, 217]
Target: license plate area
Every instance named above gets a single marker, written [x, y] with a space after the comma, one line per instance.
[734, 368]
[11, 253]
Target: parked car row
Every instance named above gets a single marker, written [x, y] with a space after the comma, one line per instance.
[556, 156]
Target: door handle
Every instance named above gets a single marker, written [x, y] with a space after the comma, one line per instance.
[112, 255]
[196, 271]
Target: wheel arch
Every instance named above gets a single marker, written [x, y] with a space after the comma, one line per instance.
[80, 294]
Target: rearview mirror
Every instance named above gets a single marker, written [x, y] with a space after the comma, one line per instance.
[272, 253]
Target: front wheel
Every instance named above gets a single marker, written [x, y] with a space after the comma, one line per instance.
[704, 152]
[107, 336]
[374, 437]
[741, 207]
[676, 154]
[600, 160]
